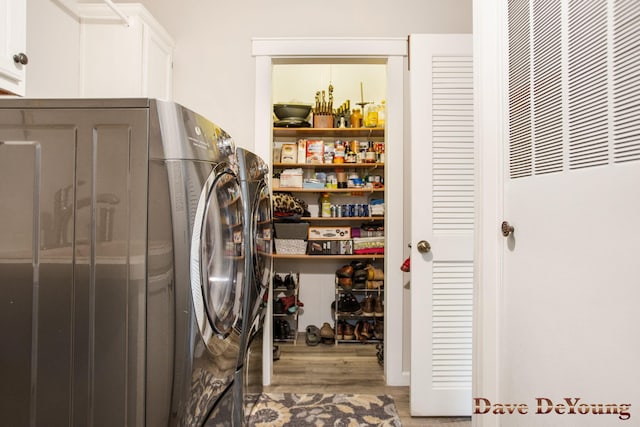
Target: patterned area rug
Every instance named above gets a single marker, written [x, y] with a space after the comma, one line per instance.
[318, 410]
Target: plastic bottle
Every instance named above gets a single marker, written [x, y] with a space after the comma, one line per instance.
[382, 113]
[325, 205]
[371, 116]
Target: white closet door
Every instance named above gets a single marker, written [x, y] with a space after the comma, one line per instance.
[570, 270]
[442, 215]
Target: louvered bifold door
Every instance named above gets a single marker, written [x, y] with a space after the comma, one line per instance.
[442, 214]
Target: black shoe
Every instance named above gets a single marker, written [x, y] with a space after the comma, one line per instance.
[349, 304]
[277, 281]
[286, 330]
[289, 282]
[278, 306]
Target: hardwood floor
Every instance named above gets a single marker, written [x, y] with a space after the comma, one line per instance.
[346, 369]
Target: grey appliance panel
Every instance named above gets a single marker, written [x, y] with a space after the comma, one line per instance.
[73, 186]
[198, 138]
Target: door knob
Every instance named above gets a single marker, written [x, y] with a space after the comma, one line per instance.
[424, 247]
[21, 58]
[507, 229]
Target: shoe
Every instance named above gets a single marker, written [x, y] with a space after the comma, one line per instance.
[345, 271]
[378, 330]
[374, 273]
[312, 337]
[378, 307]
[348, 331]
[289, 282]
[326, 333]
[357, 265]
[357, 330]
[340, 329]
[360, 275]
[278, 307]
[277, 281]
[349, 304]
[276, 353]
[375, 284]
[345, 282]
[366, 332]
[367, 306]
[286, 330]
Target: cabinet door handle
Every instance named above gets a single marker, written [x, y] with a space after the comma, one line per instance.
[21, 58]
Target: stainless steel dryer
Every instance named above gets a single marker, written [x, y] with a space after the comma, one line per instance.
[121, 264]
[253, 175]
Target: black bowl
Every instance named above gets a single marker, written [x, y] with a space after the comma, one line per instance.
[291, 111]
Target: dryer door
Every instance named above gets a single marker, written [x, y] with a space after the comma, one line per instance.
[217, 256]
[262, 233]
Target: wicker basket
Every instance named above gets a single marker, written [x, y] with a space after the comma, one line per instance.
[291, 246]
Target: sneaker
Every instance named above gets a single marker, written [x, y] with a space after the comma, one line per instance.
[378, 307]
[277, 281]
[367, 306]
[289, 282]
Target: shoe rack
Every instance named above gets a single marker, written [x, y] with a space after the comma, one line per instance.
[359, 306]
[286, 306]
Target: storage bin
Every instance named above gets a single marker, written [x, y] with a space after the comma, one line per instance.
[291, 246]
[292, 230]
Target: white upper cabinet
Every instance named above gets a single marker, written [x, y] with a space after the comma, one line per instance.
[120, 59]
[13, 43]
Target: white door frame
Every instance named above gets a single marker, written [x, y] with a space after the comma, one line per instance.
[391, 51]
[489, 47]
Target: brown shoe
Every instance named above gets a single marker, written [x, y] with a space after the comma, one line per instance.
[346, 271]
[378, 307]
[348, 331]
[358, 330]
[340, 329]
[367, 331]
[367, 306]
[374, 273]
[375, 284]
[326, 332]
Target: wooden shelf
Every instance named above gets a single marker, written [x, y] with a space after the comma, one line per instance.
[309, 257]
[328, 132]
[329, 165]
[355, 191]
[337, 218]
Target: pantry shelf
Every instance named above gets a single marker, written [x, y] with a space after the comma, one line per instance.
[354, 191]
[309, 257]
[328, 132]
[337, 218]
[328, 165]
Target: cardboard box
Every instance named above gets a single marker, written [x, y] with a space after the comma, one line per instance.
[315, 151]
[291, 178]
[289, 153]
[329, 233]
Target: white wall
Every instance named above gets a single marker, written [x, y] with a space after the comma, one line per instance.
[214, 72]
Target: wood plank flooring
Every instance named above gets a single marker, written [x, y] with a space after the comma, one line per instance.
[346, 369]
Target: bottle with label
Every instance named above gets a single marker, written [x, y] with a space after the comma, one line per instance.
[325, 205]
[382, 113]
[356, 118]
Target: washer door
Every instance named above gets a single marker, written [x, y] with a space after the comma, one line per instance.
[217, 256]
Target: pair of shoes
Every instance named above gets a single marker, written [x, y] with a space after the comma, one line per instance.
[349, 304]
[344, 330]
[326, 333]
[363, 330]
[278, 307]
[278, 282]
[281, 329]
[313, 337]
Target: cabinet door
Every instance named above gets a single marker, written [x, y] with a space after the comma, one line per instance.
[119, 61]
[13, 28]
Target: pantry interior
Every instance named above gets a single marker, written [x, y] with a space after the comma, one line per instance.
[354, 79]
